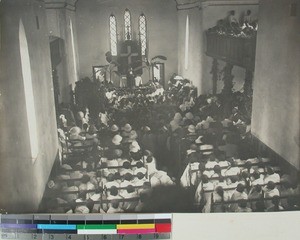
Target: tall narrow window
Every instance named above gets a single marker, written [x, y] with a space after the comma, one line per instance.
[113, 35]
[143, 34]
[28, 89]
[186, 50]
[127, 24]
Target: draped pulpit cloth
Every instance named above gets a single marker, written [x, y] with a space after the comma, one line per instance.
[130, 56]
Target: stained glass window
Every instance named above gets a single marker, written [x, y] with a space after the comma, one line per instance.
[113, 35]
[127, 21]
[143, 33]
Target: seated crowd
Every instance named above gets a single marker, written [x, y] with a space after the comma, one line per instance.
[147, 138]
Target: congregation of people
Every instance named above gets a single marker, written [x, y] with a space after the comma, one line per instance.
[231, 26]
[114, 156]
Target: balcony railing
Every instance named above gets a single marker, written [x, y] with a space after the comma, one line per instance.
[235, 50]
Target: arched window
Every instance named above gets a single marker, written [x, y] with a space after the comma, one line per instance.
[28, 89]
[127, 24]
[113, 35]
[143, 34]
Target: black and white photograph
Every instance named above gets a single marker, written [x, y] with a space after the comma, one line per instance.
[149, 106]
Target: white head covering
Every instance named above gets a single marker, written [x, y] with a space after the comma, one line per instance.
[117, 139]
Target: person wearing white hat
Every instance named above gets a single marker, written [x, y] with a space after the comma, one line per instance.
[177, 116]
[134, 147]
[126, 130]
[114, 128]
[132, 136]
[75, 137]
[182, 107]
[202, 125]
[191, 129]
[189, 116]
[117, 139]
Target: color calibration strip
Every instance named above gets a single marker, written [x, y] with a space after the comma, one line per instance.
[89, 227]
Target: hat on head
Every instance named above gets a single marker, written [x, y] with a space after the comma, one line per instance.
[189, 116]
[202, 125]
[133, 135]
[134, 147]
[114, 128]
[127, 128]
[174, 125]
[66, 167]
[182, 107]
[75, 130]
[177, 116]
[191, 129]
[117, 139]
[51, 184]
[209, 119]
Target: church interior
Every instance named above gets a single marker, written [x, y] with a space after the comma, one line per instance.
[110, 106]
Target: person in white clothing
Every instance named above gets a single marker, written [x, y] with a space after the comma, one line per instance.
[238, 194]
[270, 191]
[271, 176]
[138, 81]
